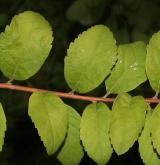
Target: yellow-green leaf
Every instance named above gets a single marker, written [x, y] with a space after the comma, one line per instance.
[155, 129]
[128, 117]
[90, 58]
[153, 62]
[94, 132]
[50, 117]
[3, 126]
[25, 45]
[147, 152]
[72, 151]
[129, 71]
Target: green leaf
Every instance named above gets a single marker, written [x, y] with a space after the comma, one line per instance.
[153, 62]
[147, 153]
[155, 129]
[90, 58]
[128, 117]
[72, 151]
[3, 126]
[94, 132]
[50, 117]
[129, 71]
[25, 45]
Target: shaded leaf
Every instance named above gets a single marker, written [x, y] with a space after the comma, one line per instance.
[123, 36]
[72, 151]
[129, 71]
[3, 126]
[90, 58]
[93, 3]
[73, 14]
[24, 45]
[128, 117]
[138, 35]
[94, 132]
[153, 62]
[147, 153]
[50, 117]
[86, 12]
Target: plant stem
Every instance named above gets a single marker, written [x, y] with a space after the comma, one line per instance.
[66, 95]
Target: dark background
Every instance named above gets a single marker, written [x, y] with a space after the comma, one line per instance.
[129, 20]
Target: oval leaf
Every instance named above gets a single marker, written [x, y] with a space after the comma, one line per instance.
[90, 58]
[148, 155]
[3, 126]
[94, 132]
[128, 116]
[155, 129]
[24, 45]
[49, 115]
[72, 151]
[129, 71]
[153, 62]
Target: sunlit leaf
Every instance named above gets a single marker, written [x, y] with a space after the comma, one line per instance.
[153, 62]
[128, 117]
[90, 58]
[3, 126]
[24, 45]
[50, 116]
[72, 152]
[129, 71]
[155, 129]
[147, 152]
[94, 132]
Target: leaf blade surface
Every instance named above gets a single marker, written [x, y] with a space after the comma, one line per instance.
[50, 117]
[90, 58]
[25, 45]
[72, 151]
[94, 132]
[128, 117]
[129, 71]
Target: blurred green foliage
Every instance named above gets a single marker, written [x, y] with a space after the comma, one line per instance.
[129, 20]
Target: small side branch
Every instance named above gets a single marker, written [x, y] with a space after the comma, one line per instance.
[67, 95]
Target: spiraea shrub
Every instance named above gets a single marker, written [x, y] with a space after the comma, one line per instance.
[92, 59]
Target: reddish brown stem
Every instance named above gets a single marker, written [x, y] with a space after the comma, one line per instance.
[66, 95]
